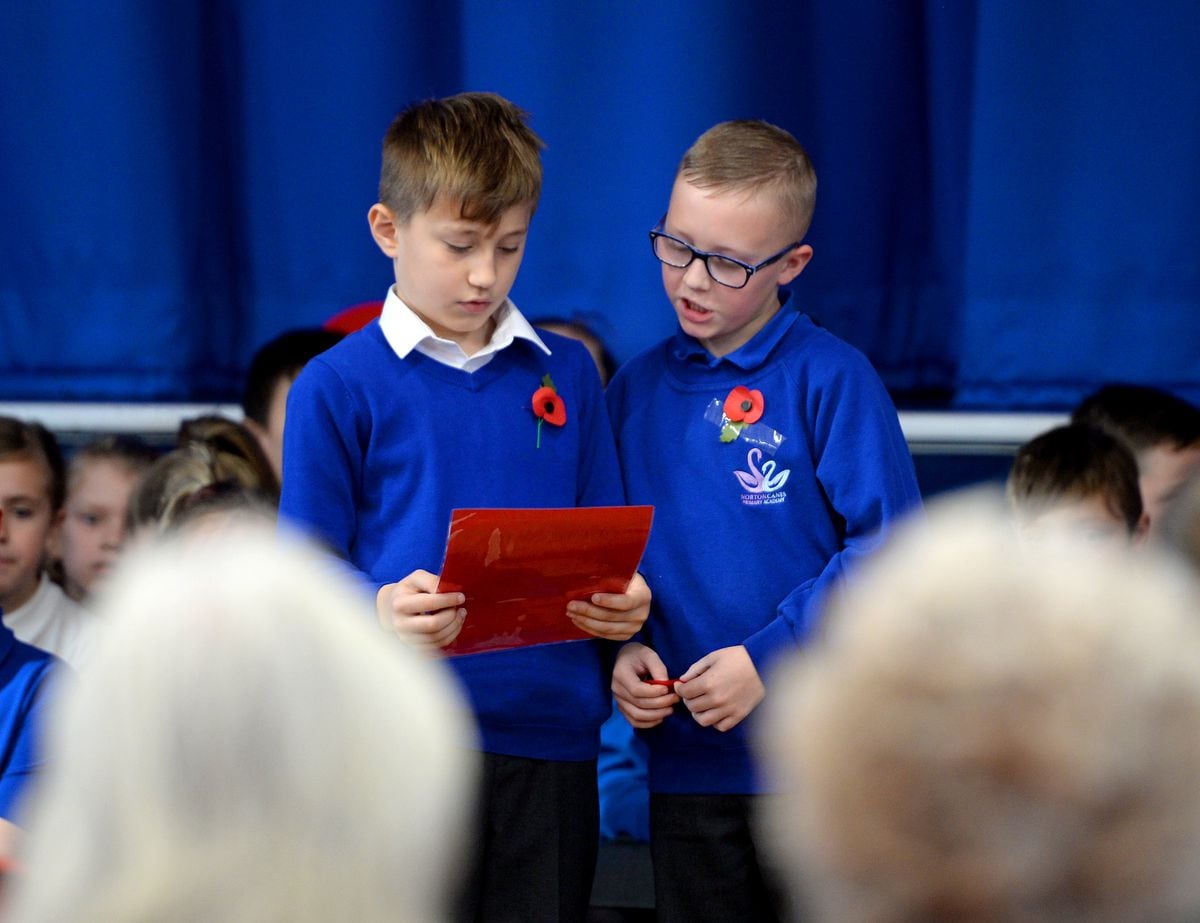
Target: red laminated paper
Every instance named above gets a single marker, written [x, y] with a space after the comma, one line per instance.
[520, 567]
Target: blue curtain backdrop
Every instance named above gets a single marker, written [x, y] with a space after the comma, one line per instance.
[1006, 218]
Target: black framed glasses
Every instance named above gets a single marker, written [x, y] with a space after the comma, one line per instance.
[722, 269]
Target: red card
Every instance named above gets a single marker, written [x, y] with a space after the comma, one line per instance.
[520, 567]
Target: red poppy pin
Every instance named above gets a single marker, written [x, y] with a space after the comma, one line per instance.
[742, 407]
[548, 407]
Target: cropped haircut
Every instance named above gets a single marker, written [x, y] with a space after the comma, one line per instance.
[29, 440]
[474, 148]
[1141, 416]
[281, 358]
[989, 735]
[1075, 462]
[748, 156]
[134, 453]
[246, 745]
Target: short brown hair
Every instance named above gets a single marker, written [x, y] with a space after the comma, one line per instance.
[1141, 416]
[1075, 462]
[749, 155]
[473, 148]
[32, 441]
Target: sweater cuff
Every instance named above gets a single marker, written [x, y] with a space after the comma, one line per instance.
[767, 644]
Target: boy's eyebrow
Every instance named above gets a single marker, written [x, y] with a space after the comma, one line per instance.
[19, 498]
[476, 229]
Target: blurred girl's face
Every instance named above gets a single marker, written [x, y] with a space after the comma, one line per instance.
[93, 528]
[25, 528]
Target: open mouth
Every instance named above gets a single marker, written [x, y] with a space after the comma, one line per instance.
[693, 311]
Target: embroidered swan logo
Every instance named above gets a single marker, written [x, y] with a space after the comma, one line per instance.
[762, 481]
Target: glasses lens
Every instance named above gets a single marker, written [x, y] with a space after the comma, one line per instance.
[727, 272]
[671, 252]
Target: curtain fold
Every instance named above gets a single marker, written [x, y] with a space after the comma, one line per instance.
[1006, 214]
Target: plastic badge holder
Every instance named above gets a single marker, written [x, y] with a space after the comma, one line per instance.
[520, 567]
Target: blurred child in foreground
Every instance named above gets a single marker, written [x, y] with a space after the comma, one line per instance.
[262, 754]
[991, 732]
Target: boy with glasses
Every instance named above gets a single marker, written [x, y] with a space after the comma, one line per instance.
[774, 458]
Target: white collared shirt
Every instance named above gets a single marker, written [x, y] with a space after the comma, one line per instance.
[405, 331]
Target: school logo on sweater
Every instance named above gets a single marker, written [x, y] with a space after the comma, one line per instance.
[762, 484]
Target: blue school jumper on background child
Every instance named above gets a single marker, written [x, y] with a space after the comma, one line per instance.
[24, 671]
[749, 534]
[378, 449]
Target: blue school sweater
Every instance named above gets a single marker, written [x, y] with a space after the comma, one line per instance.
[24, 671]
[377, 452]
[749, 534]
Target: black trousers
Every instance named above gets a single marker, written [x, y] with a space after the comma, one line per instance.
[534, 855]
[707, 861]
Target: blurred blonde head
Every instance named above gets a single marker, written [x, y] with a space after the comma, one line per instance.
[990, 734]
[245, 745]
[194, 475]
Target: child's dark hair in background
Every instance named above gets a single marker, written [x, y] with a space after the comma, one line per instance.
[1141, 416]
[269, 379]
[1159, 428]
[1075, 463]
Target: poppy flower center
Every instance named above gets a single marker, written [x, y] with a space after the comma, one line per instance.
[549, 406]
[746, 405]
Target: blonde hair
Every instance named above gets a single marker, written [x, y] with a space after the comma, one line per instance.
[474, 148]
[245, 746]
[749, 155]
[984, 734]
[192, 475]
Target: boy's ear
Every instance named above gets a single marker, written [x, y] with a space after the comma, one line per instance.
[383, 228]
[794, 263]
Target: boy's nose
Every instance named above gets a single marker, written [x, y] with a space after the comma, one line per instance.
[695, 274]
[482, 273]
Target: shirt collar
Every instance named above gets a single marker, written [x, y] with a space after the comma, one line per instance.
[406, 331]
[749, 355]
